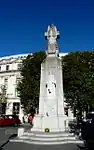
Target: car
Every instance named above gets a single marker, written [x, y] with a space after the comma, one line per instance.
[9, 120]
[90, 114]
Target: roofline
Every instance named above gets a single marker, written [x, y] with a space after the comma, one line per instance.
[15, 56]
[24, 55]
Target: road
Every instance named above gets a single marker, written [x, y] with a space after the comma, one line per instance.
[5, 133]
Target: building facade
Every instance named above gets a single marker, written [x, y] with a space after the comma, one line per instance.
[9, 77]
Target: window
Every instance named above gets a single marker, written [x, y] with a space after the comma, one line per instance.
[7, 67]
[16, 108]
[6, 82]
[19, 66]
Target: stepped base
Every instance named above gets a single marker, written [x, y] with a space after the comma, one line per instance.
[51, 138]
[48, 143]
[53, 123]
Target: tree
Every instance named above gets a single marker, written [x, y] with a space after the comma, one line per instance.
[3, 99]
[78, 71]
[29, 86]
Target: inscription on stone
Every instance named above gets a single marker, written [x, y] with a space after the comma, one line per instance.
[52, 71]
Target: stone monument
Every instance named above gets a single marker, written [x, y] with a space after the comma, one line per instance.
[51, 100]
[51, 115]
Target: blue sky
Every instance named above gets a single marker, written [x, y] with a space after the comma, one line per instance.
[23, 22]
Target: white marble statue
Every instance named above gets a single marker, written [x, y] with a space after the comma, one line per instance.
[52, 35]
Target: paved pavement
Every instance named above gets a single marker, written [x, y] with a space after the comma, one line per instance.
[5, 133]
[23, 146]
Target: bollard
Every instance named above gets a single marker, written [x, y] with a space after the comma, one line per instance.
[20, 131]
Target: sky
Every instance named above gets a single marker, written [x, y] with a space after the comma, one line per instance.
[23, 23]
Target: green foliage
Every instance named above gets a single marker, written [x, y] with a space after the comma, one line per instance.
[78, 71]
[29, 86]
[3, 97]
[78, 79]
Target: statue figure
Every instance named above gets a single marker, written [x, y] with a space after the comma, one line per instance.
[52, 35]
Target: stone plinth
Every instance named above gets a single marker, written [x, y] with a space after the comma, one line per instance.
[54, 123]
[51, 101]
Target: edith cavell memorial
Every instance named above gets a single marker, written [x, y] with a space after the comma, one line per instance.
[51, 99]
[50, 124]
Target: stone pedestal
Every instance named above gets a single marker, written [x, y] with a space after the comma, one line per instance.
[53, 123]
[51, 102]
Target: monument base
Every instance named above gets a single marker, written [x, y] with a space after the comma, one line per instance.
[53, 123]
